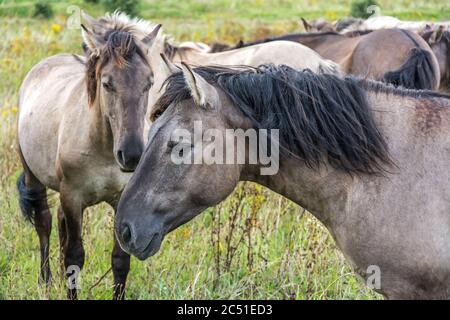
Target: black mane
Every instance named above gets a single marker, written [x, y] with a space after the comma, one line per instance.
[321, 117]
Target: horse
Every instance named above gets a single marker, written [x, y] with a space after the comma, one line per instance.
[369, 160]
[80, 133]
[439, 41]
[395, 56]
[437, 37]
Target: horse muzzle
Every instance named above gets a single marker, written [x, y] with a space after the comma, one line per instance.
[128, 155]
[142, 246]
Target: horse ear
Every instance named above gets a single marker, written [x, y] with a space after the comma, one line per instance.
[306, 25]
[204, 94]
[151, 37]
[439, 33]
[93, 41]
[92, 24]
[170, 67]
[435, 35]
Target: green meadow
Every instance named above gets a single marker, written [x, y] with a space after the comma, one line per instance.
[255, 245]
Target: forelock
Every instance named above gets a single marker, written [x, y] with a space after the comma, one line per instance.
[120, 48]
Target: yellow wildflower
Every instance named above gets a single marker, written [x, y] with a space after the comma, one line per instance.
[56, 28]
[14, 109]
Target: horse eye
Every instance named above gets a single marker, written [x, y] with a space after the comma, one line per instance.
[108, 86]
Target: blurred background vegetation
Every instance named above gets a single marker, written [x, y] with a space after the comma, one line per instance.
[255, 245]
[244, 9]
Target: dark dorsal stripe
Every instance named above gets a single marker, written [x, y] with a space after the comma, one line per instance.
[406, 33]
[287, 37]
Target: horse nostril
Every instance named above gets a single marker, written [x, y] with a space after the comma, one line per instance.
[121, 157]
[126, 233]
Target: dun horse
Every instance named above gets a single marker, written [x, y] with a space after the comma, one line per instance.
[80, 132]
[395, 56]
[370, 161]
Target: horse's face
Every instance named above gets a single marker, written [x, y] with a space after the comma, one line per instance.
[124, 95]
[164, 193]
[119, 78]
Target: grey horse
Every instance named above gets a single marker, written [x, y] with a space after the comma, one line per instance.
[370, 161]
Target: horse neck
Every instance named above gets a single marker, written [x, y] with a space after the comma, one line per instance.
[320, 191]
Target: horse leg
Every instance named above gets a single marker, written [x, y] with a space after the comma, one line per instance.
[43, 226]
[73, 249]
[120, 266]
[34, 206]
[120, 262]
[62, 232]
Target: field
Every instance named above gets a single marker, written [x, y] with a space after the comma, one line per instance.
[256, 245]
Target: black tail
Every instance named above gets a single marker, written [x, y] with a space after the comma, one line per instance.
[416, 73]
[30, 200]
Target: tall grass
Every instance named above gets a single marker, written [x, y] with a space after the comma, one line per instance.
[254, 245]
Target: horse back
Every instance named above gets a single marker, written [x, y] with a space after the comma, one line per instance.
[339, 49]
[293, 54]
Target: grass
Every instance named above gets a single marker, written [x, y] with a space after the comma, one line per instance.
[256, 245]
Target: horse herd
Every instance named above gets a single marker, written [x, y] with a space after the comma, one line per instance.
[364, 138]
